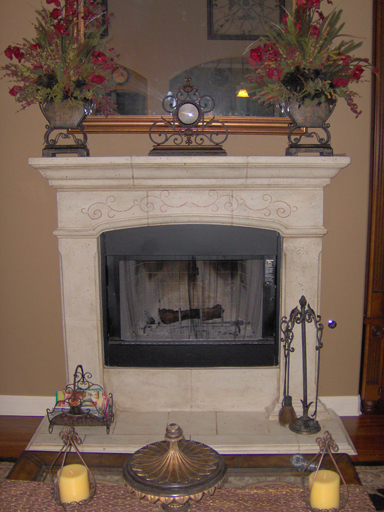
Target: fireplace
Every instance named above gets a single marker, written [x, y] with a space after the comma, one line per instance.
[98, 197]
[190, 296]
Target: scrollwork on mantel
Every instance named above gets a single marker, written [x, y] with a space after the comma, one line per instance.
[164, 201]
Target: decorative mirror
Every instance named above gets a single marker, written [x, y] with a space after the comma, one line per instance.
[159, 43]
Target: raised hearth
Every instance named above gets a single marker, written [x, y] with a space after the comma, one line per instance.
[95, 195]
[226, 432]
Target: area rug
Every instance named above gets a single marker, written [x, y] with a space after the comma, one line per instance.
[17, 495]
[370, 474]
[6, 464]
[372, 477]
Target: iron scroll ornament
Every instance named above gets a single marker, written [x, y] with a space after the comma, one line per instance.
[186, 131]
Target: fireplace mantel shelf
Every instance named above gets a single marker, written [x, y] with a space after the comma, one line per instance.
[99, 194]
[137, 172]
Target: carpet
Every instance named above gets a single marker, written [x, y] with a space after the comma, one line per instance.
[370, 474]
[6, 464]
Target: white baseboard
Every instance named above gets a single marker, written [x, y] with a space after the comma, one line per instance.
[16, 405]
[342, 405]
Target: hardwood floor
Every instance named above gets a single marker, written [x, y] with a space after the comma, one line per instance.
[366, 433]
[15, 434]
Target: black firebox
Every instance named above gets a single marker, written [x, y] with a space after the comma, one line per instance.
[191, 295]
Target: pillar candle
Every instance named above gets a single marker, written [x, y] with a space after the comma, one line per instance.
[74, 483]
[324, 489]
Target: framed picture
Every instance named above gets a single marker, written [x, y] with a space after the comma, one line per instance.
[244, 19]
[104, 8]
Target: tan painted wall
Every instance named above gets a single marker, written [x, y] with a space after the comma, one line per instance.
[31, 346]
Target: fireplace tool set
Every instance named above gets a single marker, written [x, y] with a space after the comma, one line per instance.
[303, 315]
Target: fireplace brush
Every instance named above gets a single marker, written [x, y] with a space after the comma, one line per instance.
[287, 414]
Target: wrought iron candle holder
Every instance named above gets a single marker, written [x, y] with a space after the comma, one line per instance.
[174, 471]
[306, 424]
[70, 438]
[326, 445]
[188, 132]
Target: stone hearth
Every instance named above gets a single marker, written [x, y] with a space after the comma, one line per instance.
[227, 432]
[107, 193]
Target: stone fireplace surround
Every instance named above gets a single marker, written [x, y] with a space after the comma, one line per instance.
[96, 194]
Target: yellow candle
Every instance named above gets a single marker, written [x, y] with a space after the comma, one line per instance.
[74, 483]
[325, 491]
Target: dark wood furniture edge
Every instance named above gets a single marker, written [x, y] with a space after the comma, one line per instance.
[371, 386]
[31, 464]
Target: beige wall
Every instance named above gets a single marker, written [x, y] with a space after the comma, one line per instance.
[31, 345]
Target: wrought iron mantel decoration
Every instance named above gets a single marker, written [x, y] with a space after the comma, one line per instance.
[174, 471]
[186, 132]
[306, 424]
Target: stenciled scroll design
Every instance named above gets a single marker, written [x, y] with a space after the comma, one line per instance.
[231, 203]
[212, 200]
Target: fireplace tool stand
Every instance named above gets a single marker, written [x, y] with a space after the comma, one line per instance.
[305, 424]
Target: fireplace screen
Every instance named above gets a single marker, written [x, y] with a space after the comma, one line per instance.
[191, 300]
[193, 307]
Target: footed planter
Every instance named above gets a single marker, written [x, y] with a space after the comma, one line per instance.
[65, 115]
[314, 117]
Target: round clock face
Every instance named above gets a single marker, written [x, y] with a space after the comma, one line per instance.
[188, 113]
[121, 75]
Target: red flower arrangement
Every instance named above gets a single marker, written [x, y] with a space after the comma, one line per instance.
[63, 62]
[302, 59]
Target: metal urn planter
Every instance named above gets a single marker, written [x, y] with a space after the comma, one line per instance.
[65, 115]
[312, 117]
[173, 472]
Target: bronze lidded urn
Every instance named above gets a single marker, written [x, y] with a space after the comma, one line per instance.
[174, 471]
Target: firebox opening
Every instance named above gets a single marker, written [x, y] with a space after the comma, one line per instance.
[190, 296]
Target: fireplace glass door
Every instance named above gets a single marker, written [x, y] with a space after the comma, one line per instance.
[211, 301]
[214, 300]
